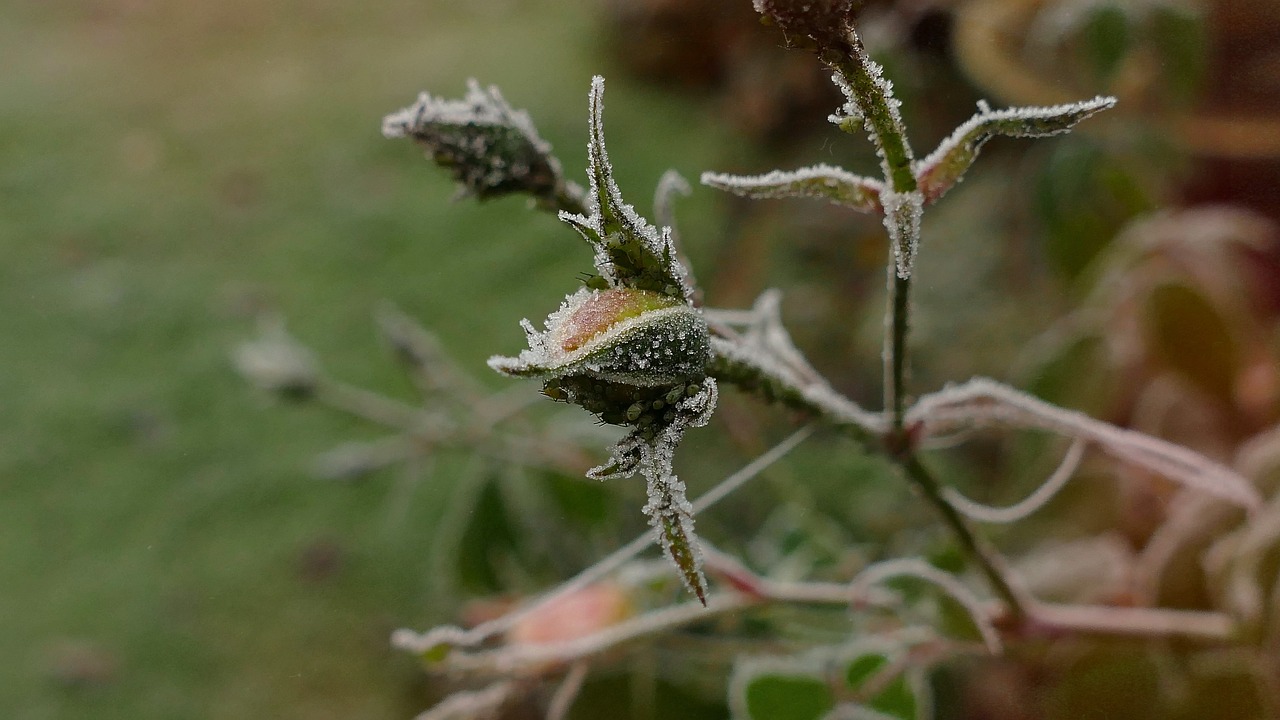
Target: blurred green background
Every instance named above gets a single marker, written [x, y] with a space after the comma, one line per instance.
[169, 171]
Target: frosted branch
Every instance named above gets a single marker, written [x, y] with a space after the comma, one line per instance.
[985, 402]
[819, 181]
[946, 165]
[946, 582]
[483, 704]
[568, 691]
[1036, 500]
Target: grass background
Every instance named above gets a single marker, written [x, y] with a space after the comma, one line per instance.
[167, 171]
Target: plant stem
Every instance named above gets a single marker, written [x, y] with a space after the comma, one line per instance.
[878, 107]
[989, 560]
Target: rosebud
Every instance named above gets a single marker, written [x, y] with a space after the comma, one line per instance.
[630, 348]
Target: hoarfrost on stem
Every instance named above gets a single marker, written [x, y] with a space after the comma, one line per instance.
[902, 212]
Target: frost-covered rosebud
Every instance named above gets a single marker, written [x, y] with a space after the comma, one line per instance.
[630, 348]
[615, 339]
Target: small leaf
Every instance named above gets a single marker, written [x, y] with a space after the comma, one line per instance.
[1106, 38]
[863, 667]
[900, 697]
[488, 147]
[898, 700]
[819, 181]
[1190, 336]
[945, 166]
[786, 697]
[672, 518]
[629, 251]
[1179, 36]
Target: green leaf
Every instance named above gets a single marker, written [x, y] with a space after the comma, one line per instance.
[898, 700]
[819, 181]
[489, 536]
[862, 667]
[1190, 336]
[630, 252]
[1084, 195]
[787, 697]
[1106, 39]
[1179, 37]
[946, 165]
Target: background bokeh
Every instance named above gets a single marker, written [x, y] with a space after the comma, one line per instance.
[170, 171]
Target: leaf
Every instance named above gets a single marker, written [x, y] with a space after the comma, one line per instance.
[489, 537]
[915, 578]
[898, 700]
[629, 251]
[490, 148]
[818, 181]
[901, 697]
[671, 516]
[1179, 36]
[778, 696]
[945, 166]
[863, 667]
[1083, 196]
[1188, 334]
[1106, 39]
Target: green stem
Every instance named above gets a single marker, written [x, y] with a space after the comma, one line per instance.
[885, 126]
[878, 108]
[895, 348]
[989, 560]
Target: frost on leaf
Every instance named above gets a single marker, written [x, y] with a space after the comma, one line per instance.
[629, 251]
[902, 213]
[490, 148]
[946, 165]
[819, 181]
[650, 450]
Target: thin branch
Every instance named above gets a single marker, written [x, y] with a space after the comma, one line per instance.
[420, 643]
[985, 402]
[1036, 500]
[567, 692]
[1137, 623]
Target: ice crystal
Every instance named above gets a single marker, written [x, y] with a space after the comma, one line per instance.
[490, 148]
[902, 213]
[946, 165]
[629, 251]
[818, 181]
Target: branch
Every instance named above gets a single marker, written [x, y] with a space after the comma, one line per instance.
[981, 402]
